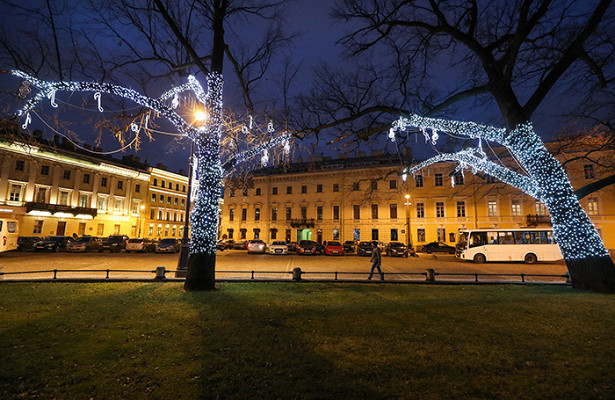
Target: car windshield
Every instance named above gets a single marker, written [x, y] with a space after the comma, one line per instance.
[83, 239]
[334, 244]
[397, 244]
[278, 243]
[167, 241]
[365, 244]
[135, 240]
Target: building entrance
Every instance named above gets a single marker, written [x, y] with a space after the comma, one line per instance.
[61, 229]
[304, 234]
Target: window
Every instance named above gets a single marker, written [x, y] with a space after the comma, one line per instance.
[258, 192]
[244, 214]
[420, 210]
[41, 194]
[242, 233]
[418, 180]
[441, 235]
[356, 234]
[492, 208]
[231, 214]
[274, 233]
[303, 188]
[116, 229]
[318, 188]
[289, 190]
[183, 202]
[336, 187]
[100, 230]
[184, 188]
[169, 200]
[102, 203]
[336, 234]
[63, 198]
[274, 213]
[152, 214]
[153, 197]
[438, 180]
[160, 215]
[257, 214]
[420, 235]
[588, 170]
[66, 174]
[374, 234]
[155, 182]
[274, 190]
[439, 209]
[394, 235]
[84, 200]
[303, 212]
[161, 198]
[374, 211]
[336, 212]
[135, 207]
[38, 226]
[592, 206]
[86, 178]
[458, 178]
[177, 187]
[176, 201]
[170, 185]
[119, 204]
[231, 193]
[20, 165]
[355, 186]
[451, 237]
[356, 211]
[319, 213]
[516, 208]
[288, 235]
[162, 184]
[168, 219]
[393, 211]
[288, 213]
[374, 185]
[137, 188]
[45, 170]
[393, 184]
[461, 209]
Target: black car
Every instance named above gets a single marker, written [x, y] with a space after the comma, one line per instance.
[114, 243]
[396, 249]
[438, 247]
[53, 243]
[365, 248]
[350, 246]
[242, 245]
[225, 244]
[26, 243]
[168, 245]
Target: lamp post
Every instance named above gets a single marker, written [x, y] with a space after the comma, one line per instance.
[182, 264]
[409, 234]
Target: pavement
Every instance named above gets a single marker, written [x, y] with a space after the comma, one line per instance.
[237, 264]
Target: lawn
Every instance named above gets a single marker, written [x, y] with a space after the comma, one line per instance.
[307, 340]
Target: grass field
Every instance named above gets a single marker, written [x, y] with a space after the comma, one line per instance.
[312, 341]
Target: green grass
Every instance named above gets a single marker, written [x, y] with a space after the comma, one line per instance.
[313, 341]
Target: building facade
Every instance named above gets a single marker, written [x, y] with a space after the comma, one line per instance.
[165, 212]
[366, 199]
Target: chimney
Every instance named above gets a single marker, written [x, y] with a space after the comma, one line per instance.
[183, 172]
[138, 159]
[161, 166]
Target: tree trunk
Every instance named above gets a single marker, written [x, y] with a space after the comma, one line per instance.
[204, 216]
[588, 260]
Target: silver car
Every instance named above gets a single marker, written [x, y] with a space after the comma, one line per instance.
[278, 247]
[257, 246]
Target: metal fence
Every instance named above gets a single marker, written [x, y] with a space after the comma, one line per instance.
[162, 274]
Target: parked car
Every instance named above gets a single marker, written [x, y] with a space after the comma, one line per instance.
[292, 246]
[256, 246]
[140, 245]
[242, 245]
[334, 249]
[114, 243]
[278, 247]
[310, 247]
[438, 247]
[350, 246]
[26, 243]
[225, 244]
[84, 244]
[168, 245]
[53, 243]
[396, 249]
[364, 248]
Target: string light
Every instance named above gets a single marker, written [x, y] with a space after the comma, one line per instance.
[546, 180]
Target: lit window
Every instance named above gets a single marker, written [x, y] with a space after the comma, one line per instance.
[588, 170]
[592, 206]
[420, 210]
[492, 208]
[439, 209]
[418, 181]
[461, 209]
[516, 208]
[438, 180]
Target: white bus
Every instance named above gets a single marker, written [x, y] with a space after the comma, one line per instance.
[8, 234]
[527, 245]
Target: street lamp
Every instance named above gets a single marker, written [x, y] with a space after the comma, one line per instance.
[409, 234]
[200, 117]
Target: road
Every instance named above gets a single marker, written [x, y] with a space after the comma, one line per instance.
[263, 265]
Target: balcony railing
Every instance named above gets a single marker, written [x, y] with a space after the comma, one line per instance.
[304, 222]
[533, 220]
[55, 208]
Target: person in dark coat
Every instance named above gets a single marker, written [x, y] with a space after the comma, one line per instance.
[376, 261]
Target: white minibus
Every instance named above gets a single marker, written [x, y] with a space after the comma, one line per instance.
[8, 234]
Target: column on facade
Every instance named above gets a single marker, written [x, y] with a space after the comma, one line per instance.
[4, 176]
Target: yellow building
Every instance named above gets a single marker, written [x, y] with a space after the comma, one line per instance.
[365, 199]
[54, 189]
[165, 210]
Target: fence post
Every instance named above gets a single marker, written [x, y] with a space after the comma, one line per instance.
[297, 274]
[107, 275]
[253, 274]
[475, 277]
[335, 275]
[55, 274]
[160, 273]
[522, 277]
[431, 275]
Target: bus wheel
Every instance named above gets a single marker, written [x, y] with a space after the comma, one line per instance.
[479, 258]
[530, 258]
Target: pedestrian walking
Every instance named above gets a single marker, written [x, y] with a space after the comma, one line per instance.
[376, 261]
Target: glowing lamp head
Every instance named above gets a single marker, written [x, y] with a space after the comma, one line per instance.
[407, 196]
[200, 116]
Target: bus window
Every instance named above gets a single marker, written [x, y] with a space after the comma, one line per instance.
[492, 237]
[521, 237]
[11, 226]
[551, 237]
[478, 239]
[505, 238]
